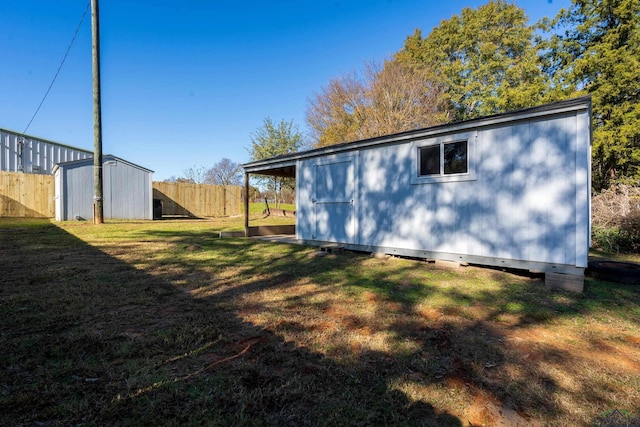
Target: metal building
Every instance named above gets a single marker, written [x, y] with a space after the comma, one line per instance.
[509, 190]
[127, 190]
[29, 154]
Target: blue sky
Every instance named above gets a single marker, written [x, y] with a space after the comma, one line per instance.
[186, 82]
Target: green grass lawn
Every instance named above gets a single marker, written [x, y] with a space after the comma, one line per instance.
[258, 208]
[164, 323]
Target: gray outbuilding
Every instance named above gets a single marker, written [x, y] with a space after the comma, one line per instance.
[29, 154]
[509, 190]
[127, 190]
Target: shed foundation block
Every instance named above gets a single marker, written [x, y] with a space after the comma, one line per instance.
[332, 248]
[567, 282]
[447, 264]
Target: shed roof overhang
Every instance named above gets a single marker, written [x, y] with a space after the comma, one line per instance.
[285, 169]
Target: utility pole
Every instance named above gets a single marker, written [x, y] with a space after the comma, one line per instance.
[98, 210]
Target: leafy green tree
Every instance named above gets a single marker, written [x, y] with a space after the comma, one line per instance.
[594, 48]
[272, 140]
[484, 57]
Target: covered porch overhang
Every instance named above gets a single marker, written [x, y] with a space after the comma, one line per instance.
[270, 167]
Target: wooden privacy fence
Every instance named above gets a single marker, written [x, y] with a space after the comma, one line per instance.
[27, 195]
[198, 200]
[33, 196]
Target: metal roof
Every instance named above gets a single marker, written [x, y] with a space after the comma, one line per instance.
[105, 158]
[24, 135]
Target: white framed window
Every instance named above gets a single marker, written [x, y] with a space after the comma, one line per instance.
[444, 159]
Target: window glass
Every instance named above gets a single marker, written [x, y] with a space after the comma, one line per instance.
[430, 160]
[448, 158]
[455, 157]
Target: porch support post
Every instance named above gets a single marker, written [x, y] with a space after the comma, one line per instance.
[246, 204]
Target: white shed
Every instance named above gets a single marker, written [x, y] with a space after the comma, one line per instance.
[127, 190]
[509, 190]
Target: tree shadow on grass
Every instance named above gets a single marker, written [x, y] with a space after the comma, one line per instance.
[483, 344]
[90, 339]
[240, 332]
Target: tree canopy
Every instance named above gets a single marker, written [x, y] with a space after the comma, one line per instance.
[224, 172]
[389, 98]
[594, 48]
[275, 139]
[485, 58]
[194, 175]
[489, 60]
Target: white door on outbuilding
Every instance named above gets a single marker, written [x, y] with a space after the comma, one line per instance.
[334, 200]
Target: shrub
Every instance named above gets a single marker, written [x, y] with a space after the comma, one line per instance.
[615, 239]
[616, 219]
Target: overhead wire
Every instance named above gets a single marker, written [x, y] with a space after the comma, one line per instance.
[64, 58]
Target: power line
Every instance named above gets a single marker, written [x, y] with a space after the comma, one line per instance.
[60, 66]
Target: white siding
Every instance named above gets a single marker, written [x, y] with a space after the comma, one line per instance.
[528, 200]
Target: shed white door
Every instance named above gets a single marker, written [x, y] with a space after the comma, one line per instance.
[333, 201]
